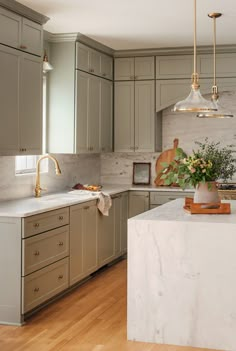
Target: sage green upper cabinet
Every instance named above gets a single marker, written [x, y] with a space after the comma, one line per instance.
[21, 101]
[144, 116]
[106, 67]
[134, 68]
[134, 116]
[81, 101]
[124, 68]
[31, 104]
[225, 65]
[20, 33]
[10, 28]
[87, 112]
[106, 116]
[32, 37]
[144, 68]
[124, 116]
[174, 67]
[93, 61]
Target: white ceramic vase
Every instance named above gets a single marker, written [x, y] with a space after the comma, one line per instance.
[206, 192]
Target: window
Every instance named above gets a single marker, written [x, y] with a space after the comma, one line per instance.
[27, 164]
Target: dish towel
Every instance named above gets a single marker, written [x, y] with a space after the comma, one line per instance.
[104, 203]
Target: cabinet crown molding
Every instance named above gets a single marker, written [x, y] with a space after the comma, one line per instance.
[175, 51]
[24, 11]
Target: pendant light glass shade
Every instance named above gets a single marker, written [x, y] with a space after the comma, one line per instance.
[221, 111]
[46, 65]
[194, 102]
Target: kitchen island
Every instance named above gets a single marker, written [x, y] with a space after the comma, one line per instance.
[181, 278]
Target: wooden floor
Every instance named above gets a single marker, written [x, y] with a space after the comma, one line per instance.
[91, 318]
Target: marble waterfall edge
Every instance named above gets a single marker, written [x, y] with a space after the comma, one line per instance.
[181, 278]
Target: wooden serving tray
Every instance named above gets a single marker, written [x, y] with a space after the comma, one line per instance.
[200, 208]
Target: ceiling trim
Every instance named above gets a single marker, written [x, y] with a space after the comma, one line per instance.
[24, 11]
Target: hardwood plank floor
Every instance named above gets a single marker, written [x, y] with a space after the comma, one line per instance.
[91, 318]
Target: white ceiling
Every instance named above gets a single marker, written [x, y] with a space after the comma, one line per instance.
[137, 24]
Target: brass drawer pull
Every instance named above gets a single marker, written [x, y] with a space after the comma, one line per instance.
[60, 243]
[60, 218]
[36, 289]
[36, 225]
[60, 276]
[86, 207]
[37, 253]
[23, 47]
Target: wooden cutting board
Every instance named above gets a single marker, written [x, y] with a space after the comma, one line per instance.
[166, 156]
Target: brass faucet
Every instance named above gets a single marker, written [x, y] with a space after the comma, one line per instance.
[57, 169]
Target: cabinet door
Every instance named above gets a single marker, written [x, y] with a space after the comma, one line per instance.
[144, 116]
[32, 37]
[124, 68]
[124, 219]
[172, 67]
[82, 101]
[9, 101]
[106, 116]
[107, 67]
[124, 116]
[116, 202]
[106, 237]
[82, 57]
[95, 62]
[76, 244]
[144, 68]
[94, 103]
[31, 104]
[10, 28]
[90, 260]
[138, 202]
[225, 65]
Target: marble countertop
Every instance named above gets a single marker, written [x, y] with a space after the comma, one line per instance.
[173, 212]
[30, 206]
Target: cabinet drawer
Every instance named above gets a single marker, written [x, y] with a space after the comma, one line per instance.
[44, 249]
[159, 198]
[45, 221]
[44, 284]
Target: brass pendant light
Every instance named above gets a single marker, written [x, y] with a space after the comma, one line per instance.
[194, 102]
[46, 65]
[221, 111]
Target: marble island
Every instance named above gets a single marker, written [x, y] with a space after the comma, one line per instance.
[181, 278]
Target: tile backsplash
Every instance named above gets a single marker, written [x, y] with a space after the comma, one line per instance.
[75, 168]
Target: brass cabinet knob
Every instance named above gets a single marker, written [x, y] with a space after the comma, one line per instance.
[104, 75]
[36, 289]
[36, 253]
[60, 276]
[60, 218]
[60, 243]
[36, 225]
[23, 47]
[86, 207]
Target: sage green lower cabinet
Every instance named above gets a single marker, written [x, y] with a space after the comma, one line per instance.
[138, 202]
[112, 230]
[106, 237]
[83, 240]
[43, 255]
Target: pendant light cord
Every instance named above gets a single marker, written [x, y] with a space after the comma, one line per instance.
[214, 45]
[195, 84]
[195, 39]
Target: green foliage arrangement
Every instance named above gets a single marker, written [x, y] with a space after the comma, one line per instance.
[209, 162]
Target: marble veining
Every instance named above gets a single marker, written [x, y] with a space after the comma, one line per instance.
[181, 287]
